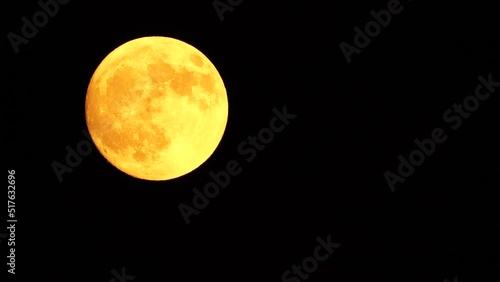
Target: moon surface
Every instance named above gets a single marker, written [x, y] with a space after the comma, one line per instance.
[156, 108]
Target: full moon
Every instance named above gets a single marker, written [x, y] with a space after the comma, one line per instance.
[156, 108]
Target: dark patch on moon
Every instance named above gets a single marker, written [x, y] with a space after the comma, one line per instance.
[150, 140]
[196, 59]
[160, 72]
[182, 82]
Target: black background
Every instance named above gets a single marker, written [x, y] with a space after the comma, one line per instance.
[323, 175]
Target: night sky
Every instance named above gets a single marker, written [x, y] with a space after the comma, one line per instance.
[332, 196]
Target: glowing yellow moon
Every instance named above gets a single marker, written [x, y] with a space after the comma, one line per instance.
[156, 108]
